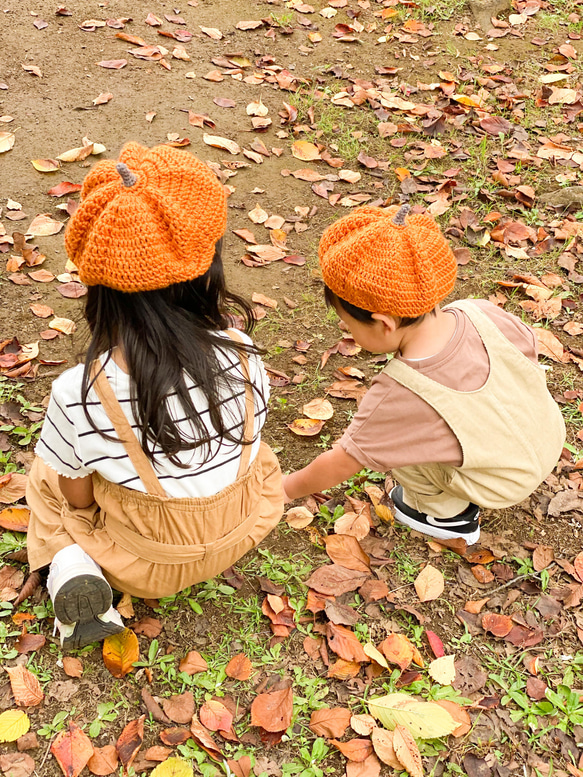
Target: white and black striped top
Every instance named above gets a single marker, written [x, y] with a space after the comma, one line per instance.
[70, 446]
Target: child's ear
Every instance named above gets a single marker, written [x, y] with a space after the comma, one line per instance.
[390, 323]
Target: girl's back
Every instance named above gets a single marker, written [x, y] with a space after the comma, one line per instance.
[73, 448]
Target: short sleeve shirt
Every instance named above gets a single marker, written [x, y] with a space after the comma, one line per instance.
[394, 427]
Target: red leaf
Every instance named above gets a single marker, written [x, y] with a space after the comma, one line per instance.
[64, 188]
[72, 749]
[499, 625]
[435, 644]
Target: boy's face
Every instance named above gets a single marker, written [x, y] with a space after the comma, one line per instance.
[379, 336]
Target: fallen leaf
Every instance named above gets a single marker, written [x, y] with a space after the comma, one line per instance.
[27, 643]
[345, 643]
[499, 625]
[306, 427]
[435, 643]
[273, 711]
[120, 651]
[72, 666]
[398, 649]
[15, 518]
[103, 761]
[17, 764]
[193, 663]
[330, 721]
[113, 64]
[7, 140]
[336, 580]
[304, 150]
[130, 741]
[64, 325]
[215, 716]
[442, 670]
[407, 751]
[25, 686]
[239, 667]
[174, 767]
[429, 584]
[72, 749]
[13, 725]
[542, 556]
[459, 714]
[363, 725]
[355, 749]
[370, 767]
[45, 165]
[299, 517]
[179, 707]
[382, 742]
[425, 720]
[212, 32]
[148, 626]
[355, 524]
[319, 409]
[345, 550]
[44, 225]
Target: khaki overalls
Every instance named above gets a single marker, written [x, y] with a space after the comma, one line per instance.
[151, 545]
[510, 430]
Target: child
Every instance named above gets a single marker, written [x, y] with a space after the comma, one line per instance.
[461, 414]
[150, 474]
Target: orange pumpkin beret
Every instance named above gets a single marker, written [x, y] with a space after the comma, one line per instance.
[146, 223]
[402, 267]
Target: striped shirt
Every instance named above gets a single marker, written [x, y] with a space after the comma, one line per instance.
[70, 446]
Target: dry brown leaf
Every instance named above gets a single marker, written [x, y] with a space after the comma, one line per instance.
[304, 150]
[306, 427]
[193, 663]
[299, 517]
[215, 716]
[179, 707]
[355, 749]
[223, 143]
[72, 667]
[25, 686]
[345, 550]
[318, 409]
[345, 644]
[382, 742]
[44, 225]
[130, 741]
[330, 722]
[104, 761]
[407, 751]
[429, 584]
[273, 711]
[354, 524]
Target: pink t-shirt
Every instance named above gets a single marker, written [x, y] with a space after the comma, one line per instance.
[396, 428]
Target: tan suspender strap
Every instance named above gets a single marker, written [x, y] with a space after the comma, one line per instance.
[249, 426]
[124, 431]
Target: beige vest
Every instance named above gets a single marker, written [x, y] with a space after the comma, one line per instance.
[510, 430]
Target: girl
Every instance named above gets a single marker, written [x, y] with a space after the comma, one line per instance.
[150, 473]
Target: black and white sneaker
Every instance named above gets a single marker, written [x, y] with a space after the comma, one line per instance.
[82, 599]
[465, 525]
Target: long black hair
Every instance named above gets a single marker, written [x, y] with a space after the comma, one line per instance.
[163, 335]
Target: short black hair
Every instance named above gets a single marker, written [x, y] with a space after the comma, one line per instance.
[362, 315]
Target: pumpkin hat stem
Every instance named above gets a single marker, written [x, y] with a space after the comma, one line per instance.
[399, 218]
[128, 178]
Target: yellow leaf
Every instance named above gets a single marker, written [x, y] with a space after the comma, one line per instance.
[384, 514]
[442, 670]
[13, 724]
[424, 719]
[376, 655]
[173, 767]
[120, 651]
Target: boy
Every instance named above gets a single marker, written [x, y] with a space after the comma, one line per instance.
[461, 414]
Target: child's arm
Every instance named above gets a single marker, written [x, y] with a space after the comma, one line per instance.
[328, 470]
[77, 491]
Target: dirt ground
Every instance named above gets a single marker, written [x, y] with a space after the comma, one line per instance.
[426, 53]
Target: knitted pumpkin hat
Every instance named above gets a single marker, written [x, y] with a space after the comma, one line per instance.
[384, 261]
[148, 221]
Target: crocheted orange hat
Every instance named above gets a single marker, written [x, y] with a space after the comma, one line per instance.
[387, 262]
[149, 221]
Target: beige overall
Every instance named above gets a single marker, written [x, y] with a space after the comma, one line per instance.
[510, 430]
[151, 545]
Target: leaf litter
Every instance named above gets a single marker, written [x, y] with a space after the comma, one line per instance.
[434, 123]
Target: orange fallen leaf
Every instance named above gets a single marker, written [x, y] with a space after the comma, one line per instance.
[355, 749]
[407, 751]
[429, 584]
[239, 667]
[120, 651]
[304, 150]
[306, 427]
[273, 711]
[215, 716]
[330, 721]
[345, 550]
[130, 741]
[25, 686]
[72, 749]
[15, 518]
[193, 663]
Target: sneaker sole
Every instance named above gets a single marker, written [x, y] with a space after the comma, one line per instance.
[82, 598]
[434, 531]
[92, 631]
